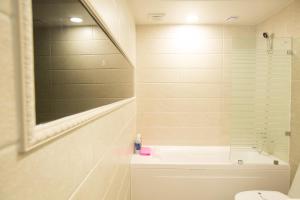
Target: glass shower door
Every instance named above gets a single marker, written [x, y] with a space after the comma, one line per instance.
[269, 102]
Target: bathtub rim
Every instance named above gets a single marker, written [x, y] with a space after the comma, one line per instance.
[152, 162]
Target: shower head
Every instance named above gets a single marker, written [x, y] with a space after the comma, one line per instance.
[269, 39]
[266, 35]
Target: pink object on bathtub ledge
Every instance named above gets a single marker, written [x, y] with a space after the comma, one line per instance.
[145, 151]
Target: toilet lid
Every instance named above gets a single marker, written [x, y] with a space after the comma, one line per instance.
[261, 195]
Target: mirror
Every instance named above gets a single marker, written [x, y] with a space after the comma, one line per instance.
[77, 67]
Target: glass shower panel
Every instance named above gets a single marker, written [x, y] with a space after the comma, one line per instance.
[273, 97]
[260, 106]
[239, 70]
[239, 95]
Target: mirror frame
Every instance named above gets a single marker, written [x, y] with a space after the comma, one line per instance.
[36, 135]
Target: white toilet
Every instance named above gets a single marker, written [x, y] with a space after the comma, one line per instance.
[272, 195]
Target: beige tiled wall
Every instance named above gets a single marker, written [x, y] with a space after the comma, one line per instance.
[287, 24]
[9, 114]
[120, 22]
[98, 75]
[90, 162]
[184, 82]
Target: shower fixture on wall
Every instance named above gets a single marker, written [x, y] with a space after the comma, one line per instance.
[269, 38]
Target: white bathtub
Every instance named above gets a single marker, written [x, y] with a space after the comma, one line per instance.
[204, 173]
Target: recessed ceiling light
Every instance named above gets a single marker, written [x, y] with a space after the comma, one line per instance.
[76, 20]
[192, 19]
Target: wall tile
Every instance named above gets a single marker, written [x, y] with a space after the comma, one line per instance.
[8, 109]
[59, 168]
[117, 17]
[179, 119]
[179, 105]
[112, 170]
[183, 78]
[179, 76]
[50, 164]
[179, 46]
[184, 135]
[181, 61]
[175, 90]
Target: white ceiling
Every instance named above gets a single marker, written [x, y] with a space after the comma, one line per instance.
[250, 12]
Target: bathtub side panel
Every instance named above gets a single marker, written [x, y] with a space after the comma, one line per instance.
[211, 184]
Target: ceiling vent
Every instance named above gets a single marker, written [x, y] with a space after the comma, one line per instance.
[156, 17]
[232, 18]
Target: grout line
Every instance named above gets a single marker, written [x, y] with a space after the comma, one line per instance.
[98, 163]
[100, 160]
[9, 145]
[113, 180]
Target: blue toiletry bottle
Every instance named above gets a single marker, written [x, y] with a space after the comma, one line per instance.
[137, 144]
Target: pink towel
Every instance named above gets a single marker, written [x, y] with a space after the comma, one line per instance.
[145, 151]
